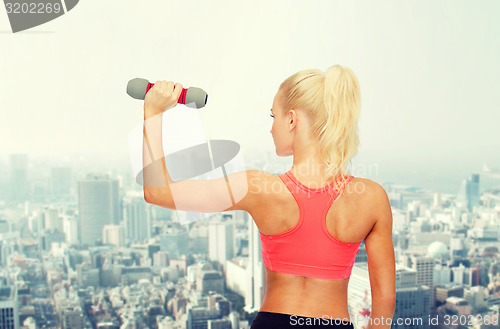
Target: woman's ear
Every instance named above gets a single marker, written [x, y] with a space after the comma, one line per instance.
[291, 115]
[292, 119]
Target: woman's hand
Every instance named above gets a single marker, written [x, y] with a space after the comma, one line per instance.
[161, 97]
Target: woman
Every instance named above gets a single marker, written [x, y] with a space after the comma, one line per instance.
[312, 218]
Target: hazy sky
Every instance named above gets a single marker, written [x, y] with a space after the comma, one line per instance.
[428, 72]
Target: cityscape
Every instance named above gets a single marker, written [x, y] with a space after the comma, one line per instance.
[81, 248]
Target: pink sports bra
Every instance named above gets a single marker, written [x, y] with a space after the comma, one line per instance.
[309, 249]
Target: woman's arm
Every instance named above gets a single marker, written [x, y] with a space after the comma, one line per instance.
[237, 191]
[381, 260]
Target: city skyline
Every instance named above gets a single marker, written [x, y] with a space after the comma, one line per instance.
[218, 258]
[445, 178]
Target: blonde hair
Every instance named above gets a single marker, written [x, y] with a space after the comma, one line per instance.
[332, 100]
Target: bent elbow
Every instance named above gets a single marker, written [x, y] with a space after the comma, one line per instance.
[159, 199]
[148, 197]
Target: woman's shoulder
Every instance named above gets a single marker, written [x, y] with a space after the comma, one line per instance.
[370, 193]
[365, 187]
[366, 183]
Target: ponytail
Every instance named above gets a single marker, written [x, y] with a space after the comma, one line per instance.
[339, 138]
[333, 101]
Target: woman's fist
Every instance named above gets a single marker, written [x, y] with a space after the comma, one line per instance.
[161, 97]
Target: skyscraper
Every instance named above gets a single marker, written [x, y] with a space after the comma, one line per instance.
[424, 265]
[136, 218]
[221, 241]
[413, 300]
[98, 204]
[51, 219]
[19, 189]
[256, 273]
[468, 195]
[9, 309]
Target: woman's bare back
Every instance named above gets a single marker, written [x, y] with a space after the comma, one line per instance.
[348, 220]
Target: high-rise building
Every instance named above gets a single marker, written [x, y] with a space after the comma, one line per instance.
[473, 191]
[161, 259]
[412, 300]
[9, 308]
[198, 316]
[237, 277]
[221, 241]
[113, 234]
[71, 228]
[4, 226]
[19, 185]
[424, 265]
[98, 204]
[72, 318]
[468, 195]
[136, 218]
[51, 219]
[256, 272]
[209, 280]
[457, 247]
[442, 274]
[8, 247]
[87, 276]
[461, 275]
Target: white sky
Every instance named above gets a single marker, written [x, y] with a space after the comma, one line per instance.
[428, 70]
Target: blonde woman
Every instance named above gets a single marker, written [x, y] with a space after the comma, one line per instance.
[311, 218]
